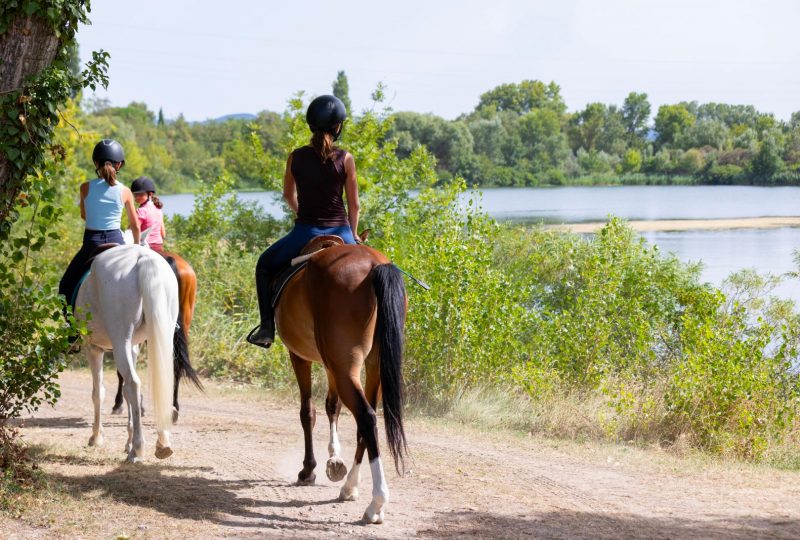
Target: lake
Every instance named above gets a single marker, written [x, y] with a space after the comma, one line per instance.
[721, 251]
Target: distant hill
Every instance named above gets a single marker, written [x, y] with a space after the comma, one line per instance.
[237, 116]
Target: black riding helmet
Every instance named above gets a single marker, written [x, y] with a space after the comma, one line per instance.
[143, 184]
[326, 113]
[108, 150]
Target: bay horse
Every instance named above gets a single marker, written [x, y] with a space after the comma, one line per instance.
[129, 296]
[187, 293]
[346, 309]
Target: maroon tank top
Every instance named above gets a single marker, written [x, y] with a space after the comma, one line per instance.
[319, 187]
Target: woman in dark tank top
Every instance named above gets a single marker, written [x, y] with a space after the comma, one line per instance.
[315, 178]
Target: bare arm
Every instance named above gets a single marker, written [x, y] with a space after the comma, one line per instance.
[289, 187]
[133, 219]
[351, 191]
[84, 193]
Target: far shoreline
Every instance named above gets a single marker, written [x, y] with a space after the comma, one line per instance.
[672, 225]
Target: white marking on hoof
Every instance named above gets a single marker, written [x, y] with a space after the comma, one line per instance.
[335, 469]
[371, 517]
[97, 440]
[133, 459]
[174, 415]
[163, 452]
[348, 493]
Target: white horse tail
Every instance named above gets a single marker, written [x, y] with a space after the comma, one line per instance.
[159, 301]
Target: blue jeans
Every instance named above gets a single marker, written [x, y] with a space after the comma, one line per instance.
[282, 252]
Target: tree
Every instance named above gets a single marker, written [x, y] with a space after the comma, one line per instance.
[341, 89]
[635, 113]
[587, 126]
[37, 43]
[523, 97]
[671, 121]
[160, 121]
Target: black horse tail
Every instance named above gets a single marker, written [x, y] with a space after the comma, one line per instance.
[180, 343]
[391, 293]
[180, 346]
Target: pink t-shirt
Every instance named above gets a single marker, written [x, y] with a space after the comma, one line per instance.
[150, 216]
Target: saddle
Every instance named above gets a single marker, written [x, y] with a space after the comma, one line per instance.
[87, 266]
[286, 273]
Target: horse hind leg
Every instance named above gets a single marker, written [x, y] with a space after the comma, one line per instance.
[308, 417]
[125, 358]
[95, 357]
[335, 468]
[363, 408]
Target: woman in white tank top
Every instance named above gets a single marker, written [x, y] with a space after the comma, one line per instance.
[102, 201]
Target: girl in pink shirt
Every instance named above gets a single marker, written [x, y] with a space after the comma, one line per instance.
[149, 212]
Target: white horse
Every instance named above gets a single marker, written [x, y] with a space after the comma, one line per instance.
[131, 295]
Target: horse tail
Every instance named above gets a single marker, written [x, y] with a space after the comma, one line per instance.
[391, 293]
[157, 288]
[180, 342]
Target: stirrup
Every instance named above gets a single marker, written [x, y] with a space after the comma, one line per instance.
[250, 339]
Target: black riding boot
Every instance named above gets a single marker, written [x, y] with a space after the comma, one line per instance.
[263, 335]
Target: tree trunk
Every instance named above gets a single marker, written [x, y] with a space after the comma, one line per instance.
[27, 48]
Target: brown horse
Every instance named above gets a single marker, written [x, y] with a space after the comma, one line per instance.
[187, 292]
[347, 309]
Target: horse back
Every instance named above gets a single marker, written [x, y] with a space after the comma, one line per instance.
[331, 302]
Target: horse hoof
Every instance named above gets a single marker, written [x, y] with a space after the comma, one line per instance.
[117, 410]
[163, 452]
[307, 481]
[174, 415]
[132, 458]
[335, 469]
[372, 519]
[96, 440]
[348, 494]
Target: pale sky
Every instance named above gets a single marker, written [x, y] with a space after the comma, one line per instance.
[208, 58]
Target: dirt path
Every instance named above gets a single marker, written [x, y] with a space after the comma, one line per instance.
[238, 452]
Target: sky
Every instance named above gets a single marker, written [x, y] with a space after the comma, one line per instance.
[206, 59]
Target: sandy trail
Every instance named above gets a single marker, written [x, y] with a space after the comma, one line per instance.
[238, 452]
[689, 224]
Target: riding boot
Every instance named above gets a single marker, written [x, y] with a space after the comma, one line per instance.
[263, 335]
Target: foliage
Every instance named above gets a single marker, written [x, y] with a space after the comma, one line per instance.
[33, 330]
[674, 358]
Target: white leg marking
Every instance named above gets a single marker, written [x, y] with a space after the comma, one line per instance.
[349, 491]
[380, 493]
[333, 444]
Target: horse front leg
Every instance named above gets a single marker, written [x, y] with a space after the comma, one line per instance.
[308, 417]
[335, 469]
[117, 408]
[95, 357]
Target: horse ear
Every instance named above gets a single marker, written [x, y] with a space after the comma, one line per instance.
[364, 235]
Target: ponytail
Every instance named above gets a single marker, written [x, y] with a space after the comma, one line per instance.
[157, 202]
[108, 173]
[322, 142]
